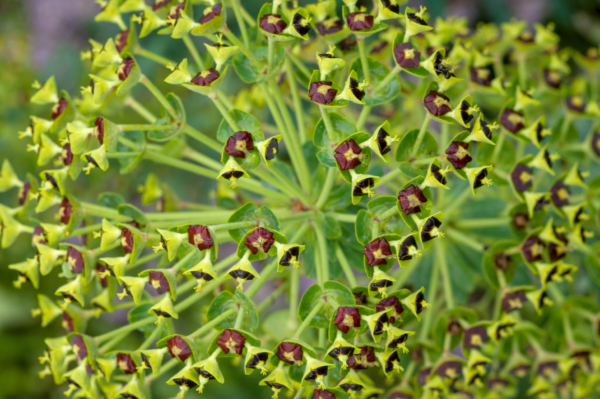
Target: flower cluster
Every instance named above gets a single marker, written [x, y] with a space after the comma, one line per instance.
[467, 108]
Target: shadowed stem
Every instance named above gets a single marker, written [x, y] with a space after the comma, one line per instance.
[363, 58]
[289, 73]
[308, 319]
[443, 266]
[192, 49]
[421, 135]
[339, 253]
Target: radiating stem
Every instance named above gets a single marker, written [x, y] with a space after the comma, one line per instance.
[467, 241]
[364, 113]
[159, 59]
[296, 99]
[211, 324]
[294, 292]
[159, 96]
[363, 58]
[443, 266]
[237, 10]
[329, 180]
[341, 257]
[421, 135]
[234, 126]
[324, 258]
[192, 49]
[315, 310]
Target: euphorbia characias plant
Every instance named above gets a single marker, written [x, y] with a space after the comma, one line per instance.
[395, 152]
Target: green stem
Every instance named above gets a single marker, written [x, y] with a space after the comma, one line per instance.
[159, 96]
[364, 113]
[183, 262]
[404, 274]
[329, 180]
[203, 138]
[225, 114]
[208, 326]
[202, 159]
[159, 59]
[344, 217]
[363, 58]
[237, 10]
[443, 266]
[140, 109]
[465, 240]
[388, 214]
[341, 257]
[85, 230]
[295, 153]
[272, 296]
[394, 173]
[309, 318]
[124, 329]
[97, 210]
[144, 127]
[271, 55]
[482, 223]
[300, 65]
[192, 49]
[236, 42]
[297, 217]
[433, 284]
[296, 100]
[568, 331]
[421, 135]
[324, 259]
[498, 148]
[208, 217]
[522, 71]
[328, 125]
[389, 77]
[283, 183]
[457, 201]
[294, 293]
[146, 344]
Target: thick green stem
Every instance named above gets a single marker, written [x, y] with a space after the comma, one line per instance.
[394, 173]
[272, 296]
[192, 49]
[363, 58]
[85, 230]
[289, 73]
[151, 338]
[393, 211]
[482, 223]
[421, 135]
[144, 127]
[329, 180]
[328, 125]
[300, 65]
[388, 78]
[203, 159]
[159, 96]
[324, 259]
[271, 55]
[443, 266]
[364, 113]
[232, 226]
[211, 324]
[296, 156]
[159, 59]
[140, 109]
[341, 257]
[522, 60]
[244, 49]
[237, 10]
[294, 293]
[428, 317]
[467, 241]
[344, 217]
[225, 114]
[309, 318]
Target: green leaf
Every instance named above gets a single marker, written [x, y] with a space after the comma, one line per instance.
[164, 135]
[225, 301]
[339, 198]
[489, 266]
[342, 128]
[377, 72]
[134, 213]
[249, 72]
[314, 294]
[331, 227]
[245, 122]
[427, 149]
[248, 212]
[110, 200]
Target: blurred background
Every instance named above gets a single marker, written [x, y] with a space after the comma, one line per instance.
[40, 38]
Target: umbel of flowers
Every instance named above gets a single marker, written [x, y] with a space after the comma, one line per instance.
[387, 131]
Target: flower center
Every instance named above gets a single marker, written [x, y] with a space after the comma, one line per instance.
[240, 145]
[350, 155]
[329, 23]
[289, 356]
[536, 249]
[323, 89]
[461, 152]
[259, 242]
[483, 73]
[577, 101]
[451, 372]
[155, 284]
[440, 101]
[409, 54]
[515, 303]
[231, 344]
[123, 364]
[198, 237]
[204, 74]
[123, 241]
[524, 177]
[476, 339]
[348, 321]
[272, 19]
[554, 77]
[515, 119]
[413, 201]
[563, 194]
[359, 17]
[175, 350]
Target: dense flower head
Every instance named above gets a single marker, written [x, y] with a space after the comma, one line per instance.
[517, 239]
